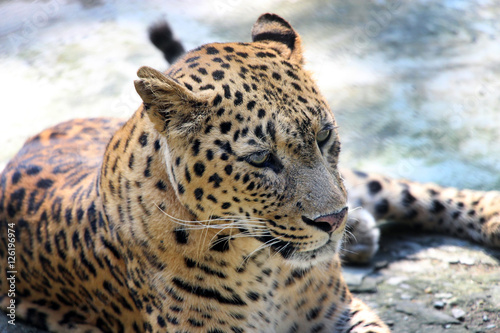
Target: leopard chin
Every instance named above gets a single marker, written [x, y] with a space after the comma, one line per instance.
[293, 255]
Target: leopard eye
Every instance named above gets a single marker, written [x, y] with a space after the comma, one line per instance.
[322, 136]
[258, 159]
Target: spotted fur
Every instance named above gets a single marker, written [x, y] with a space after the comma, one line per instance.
[217, 207]
[468, 214]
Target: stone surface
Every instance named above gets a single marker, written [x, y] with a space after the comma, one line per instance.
[424, 314]
[409, 288]
[458, 313]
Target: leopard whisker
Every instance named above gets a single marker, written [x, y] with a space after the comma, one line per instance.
[229, 237]
[201, 222]
[191, 221]
[240, 235]
[281, 249]
[267, 244]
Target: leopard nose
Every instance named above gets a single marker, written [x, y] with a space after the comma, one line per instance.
[331, 222]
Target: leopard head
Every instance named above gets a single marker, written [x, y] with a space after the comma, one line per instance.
[251, 140]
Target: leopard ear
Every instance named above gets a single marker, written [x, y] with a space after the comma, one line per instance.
[167, 102]
[280, 35]
[157, 89]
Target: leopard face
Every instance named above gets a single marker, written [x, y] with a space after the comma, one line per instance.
[249, 141]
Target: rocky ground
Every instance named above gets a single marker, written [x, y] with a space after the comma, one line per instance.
[434, 283]
[414, 86]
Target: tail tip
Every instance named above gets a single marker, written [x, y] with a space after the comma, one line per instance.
[161, 35]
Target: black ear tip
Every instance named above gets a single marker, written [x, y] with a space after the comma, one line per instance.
[273, 18]
[271, 27]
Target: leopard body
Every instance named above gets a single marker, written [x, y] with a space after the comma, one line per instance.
[217, 207]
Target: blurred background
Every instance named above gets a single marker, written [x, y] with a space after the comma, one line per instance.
[414, 85]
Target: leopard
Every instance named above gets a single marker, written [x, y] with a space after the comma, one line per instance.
[218, 206]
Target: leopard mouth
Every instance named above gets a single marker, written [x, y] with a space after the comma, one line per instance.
[289, 251]
[320, 254]
[303, 249]
[285, 249]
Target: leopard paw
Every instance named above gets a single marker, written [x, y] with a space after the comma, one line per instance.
[362, 237]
